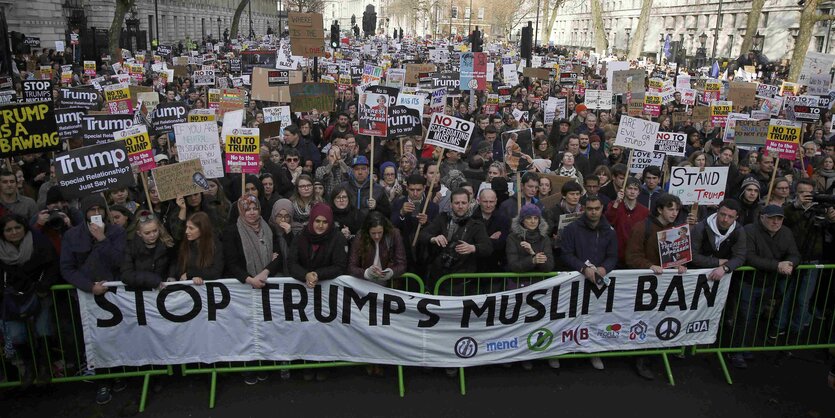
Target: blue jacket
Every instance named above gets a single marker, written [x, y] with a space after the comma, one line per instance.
[581, 242]
[85, 261]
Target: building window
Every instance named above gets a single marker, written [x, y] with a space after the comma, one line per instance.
[764, 20]
[454, 12]
[480, 13]
[819, 43]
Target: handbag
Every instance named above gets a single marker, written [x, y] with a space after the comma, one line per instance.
[18, 305]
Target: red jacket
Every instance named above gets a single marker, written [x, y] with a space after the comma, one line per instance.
[623, 219]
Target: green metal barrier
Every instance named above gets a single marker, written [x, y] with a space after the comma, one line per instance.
[465, 284]
[766, 312]
[59, 356]
[408, 282]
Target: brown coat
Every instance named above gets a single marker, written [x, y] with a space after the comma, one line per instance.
[642, 247]
[392, 255]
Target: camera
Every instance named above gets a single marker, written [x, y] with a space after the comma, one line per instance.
[56, 219]
[824, 200]
[448, 259]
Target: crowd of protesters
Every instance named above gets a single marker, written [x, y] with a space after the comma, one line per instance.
[318, 209]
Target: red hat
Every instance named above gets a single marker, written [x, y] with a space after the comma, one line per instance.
[580, 107]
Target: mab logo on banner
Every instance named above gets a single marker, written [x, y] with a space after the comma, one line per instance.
[576, 335]
[698, 326]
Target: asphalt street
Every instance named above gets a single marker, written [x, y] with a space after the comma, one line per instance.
[793, 386]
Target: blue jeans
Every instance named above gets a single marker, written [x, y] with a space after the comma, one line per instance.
[15, 331]
[797, 293]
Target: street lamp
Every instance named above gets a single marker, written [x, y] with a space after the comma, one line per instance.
[218, 29]
[660, 48]
[701, 52]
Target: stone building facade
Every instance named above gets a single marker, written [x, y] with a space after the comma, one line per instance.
[686, 20]
[50, 20]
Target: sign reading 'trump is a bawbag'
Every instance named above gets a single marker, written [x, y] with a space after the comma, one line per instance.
[356, 320]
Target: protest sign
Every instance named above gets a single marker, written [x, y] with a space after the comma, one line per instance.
[164, 50]
[750, 132]
[371, 75]
[230, 100]
[449, 132]
[373, 114]
[118, 99]
[766, 91]
[539, 73]
[149, 100]
[202, 115]
[598, 99]
[395, 77]
[92, 169]
[511, 77]
[90, 68]
[309, 96]
[37, 90]
[449, 80]
[242, 150]
[99, 128]
[517, 145]
[85, 97]
[637, 134]
[437, 100]
[688, 97]
[413, 71]
[27, 128]
[692, 185]
[69, 122]
[672, 144]
[652, 104]
[783, 138]
[403, 121]
[179, 179]
[815, 63]
[804, 113]
[138, 146]
[730, 125]
[306, 34]
[742, 93]
[263, 90]
[788, 89]
[619, 82]
[642, 159]
[203, 77]
[199, 140]
[719, 112]
[712, 91]
[473, 71]
[165, 116]
[674, 246]
[279, 114]
[277, 78]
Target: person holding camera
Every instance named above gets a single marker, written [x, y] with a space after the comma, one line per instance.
[456, 240]
[808, 221]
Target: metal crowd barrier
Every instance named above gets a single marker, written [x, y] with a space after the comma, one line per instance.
[59, 356]
[767, 312]
[464, 284]
[408, 282]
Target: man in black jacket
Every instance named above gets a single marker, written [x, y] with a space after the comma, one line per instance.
[719, 241]
[771, 251]
[456, 240]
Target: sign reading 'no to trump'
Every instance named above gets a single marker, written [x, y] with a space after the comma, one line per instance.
[449, 132]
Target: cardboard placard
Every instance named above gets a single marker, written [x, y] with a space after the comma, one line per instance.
[306, 34]
[414, 70]
[179, 179]
[619, 81]
[449, 132]
[262, 90]
[637, 134]
[742, 93]
[309, 96]
[750, 132]
[540, 73]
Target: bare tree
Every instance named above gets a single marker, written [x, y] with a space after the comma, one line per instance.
[550, 17]
[233, 32]
[809, 15]
[306, 6]
[752, 25]
[600, 42]
[508, 14]
[122, 8]
[637, 44]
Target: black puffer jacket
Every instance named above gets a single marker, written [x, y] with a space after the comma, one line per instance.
[35, 275]
[145, 267]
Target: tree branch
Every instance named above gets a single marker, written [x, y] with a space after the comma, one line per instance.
[820, 18]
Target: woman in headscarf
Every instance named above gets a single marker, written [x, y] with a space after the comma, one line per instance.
[251, 246]
[29, 266]
[280, 218]
[388, 180]
[253, 187]
[319, 253]
[408, 166]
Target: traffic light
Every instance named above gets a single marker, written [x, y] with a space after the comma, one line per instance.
[527, 41]
[401, 34]
[476, 42]
[334, 35]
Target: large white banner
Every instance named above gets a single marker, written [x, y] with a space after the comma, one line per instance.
[355, 320]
